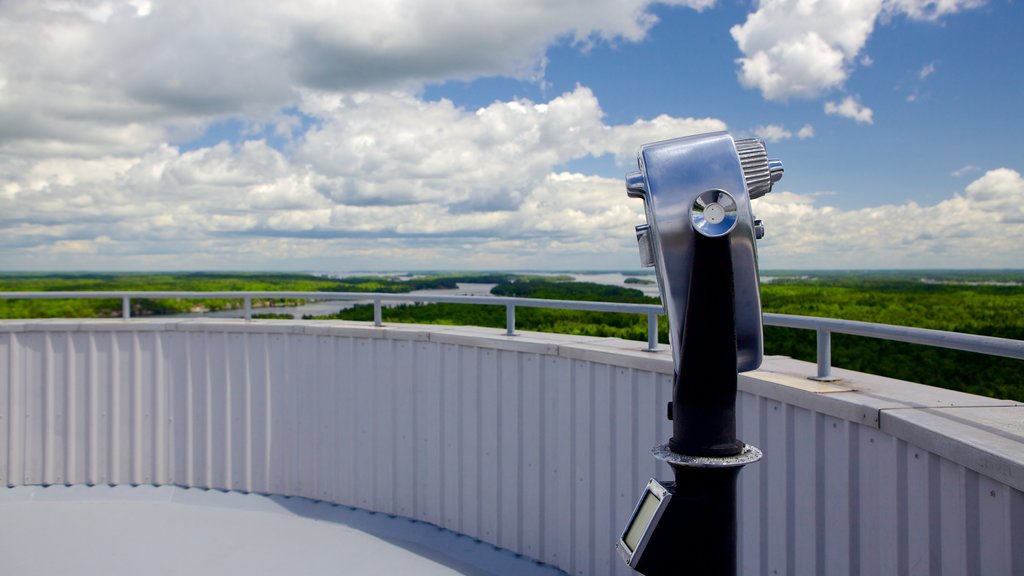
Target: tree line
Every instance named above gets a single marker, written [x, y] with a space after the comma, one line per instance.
[990, 304]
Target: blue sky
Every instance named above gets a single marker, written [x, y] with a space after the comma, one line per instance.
[142, 135]
[923, 129]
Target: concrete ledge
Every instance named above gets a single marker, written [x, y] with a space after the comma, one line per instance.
[857, 396]
[988, 440]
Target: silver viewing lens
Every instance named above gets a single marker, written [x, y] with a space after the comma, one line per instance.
[713, 213]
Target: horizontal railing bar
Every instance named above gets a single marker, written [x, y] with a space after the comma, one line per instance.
[989, 345]
[953, 340]
[368, 296]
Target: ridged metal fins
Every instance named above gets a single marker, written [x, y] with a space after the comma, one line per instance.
[754, 161]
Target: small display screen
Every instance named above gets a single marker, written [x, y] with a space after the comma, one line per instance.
[644, 514]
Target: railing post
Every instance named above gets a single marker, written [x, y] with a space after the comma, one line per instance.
[377, 313]
[510, 319]
[126, 307]
[248, 307]
[824, 354]
[652, 332]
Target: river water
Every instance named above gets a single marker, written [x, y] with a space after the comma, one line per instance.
[321, 308]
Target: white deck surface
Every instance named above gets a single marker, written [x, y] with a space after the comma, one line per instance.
[127, 530]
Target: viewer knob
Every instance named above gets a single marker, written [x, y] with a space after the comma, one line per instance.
[759, 172]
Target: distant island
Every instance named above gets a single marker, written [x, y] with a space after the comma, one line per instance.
[635, 280]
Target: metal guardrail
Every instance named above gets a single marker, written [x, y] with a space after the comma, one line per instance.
[377, 298]
[824, 327]
[937, 338]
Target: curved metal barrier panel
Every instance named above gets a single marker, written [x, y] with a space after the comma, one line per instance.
[498, 438]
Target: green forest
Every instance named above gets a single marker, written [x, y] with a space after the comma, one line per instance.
[205, 282]
[987, 303]
[961, 305]
[958, 302]
[143, 282]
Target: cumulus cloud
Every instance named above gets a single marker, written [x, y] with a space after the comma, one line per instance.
[394, 149]
[851, 108]
[778, 133]
[772, 133]
[380, 169]
[88, 77]
[801, 49]
[91, 107]
[250, 206]
[794, 48]
[623, 140]
[982, 227]
[930, 9]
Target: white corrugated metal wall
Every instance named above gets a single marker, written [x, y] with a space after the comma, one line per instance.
[838, 497]
[537, 446]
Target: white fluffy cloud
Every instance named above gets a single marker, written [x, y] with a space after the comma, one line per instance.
[803, 48]
[850, 107]
[395, 149]
[94, 94]
[772, 133]
[250, 206]
[930, 9]
[95, 77]
[799, 48]
[778, 133]
[983, 227]
[385, 170]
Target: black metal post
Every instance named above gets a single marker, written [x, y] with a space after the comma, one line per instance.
[704, 391]
[708, 527]
[704, 405]
[704, 451]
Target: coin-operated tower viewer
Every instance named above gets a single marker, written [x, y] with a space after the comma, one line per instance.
[700, 238]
